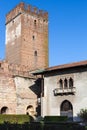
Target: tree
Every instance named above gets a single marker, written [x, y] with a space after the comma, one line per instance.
[83, 115]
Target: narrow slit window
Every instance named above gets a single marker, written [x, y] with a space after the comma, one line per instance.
[35, 22]
[33, 37]
[35, 53]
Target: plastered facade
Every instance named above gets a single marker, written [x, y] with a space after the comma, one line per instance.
[51, 103]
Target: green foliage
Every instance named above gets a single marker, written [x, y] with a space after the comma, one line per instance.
[39, 126]
[8, 126]
[20, 119]
[85, 127]
[83, 114]
[36, 126]
[24, 122]
[55, 118]
[63, 126]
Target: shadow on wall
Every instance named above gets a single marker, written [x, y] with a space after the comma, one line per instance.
[36, 88]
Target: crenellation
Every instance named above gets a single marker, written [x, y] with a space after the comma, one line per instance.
[21, 8]
[35, 10]
[29, 8]
[13, 13]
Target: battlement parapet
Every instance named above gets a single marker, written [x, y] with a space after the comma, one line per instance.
[14, 69]
[21, 8]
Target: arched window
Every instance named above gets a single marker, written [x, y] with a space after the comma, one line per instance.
[66, 105]
[70, 83]
[60, 84]
[65, 83]
[4, 110]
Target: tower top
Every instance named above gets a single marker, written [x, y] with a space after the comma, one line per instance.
[26, 8]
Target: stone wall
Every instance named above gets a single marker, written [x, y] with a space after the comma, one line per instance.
[7, 89]
[16, 88]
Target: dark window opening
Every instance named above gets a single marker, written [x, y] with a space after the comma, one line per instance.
[35, 53]
[70, 83]
[44, 20]
[61, 83]
[65, 83]
[35, 22]
[33, 37]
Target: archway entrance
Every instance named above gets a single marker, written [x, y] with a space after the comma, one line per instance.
[30, 110]
[4, 110]
[66, 109]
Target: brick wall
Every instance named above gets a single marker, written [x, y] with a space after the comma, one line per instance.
[27, 37]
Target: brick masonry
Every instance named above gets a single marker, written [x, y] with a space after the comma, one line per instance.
[16, 88]
[27, 37]
[26, 50]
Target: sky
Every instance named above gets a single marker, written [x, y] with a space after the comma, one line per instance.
[67, 28]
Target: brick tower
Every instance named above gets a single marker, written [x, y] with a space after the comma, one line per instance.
[27, 37]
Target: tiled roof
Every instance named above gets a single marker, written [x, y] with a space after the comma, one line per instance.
[70, 65]
[63, 66]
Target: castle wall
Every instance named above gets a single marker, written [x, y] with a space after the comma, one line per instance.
[17, 89]
[7, 91]
[25, 94]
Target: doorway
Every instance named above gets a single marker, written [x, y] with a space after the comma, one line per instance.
[66, 109]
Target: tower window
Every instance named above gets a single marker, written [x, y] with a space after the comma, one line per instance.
[35, 22]
[35, 53]
[44, 20]
[33, 37]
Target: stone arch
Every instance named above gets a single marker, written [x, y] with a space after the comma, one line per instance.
[66, 109]
[4, 110]
[30, 110]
